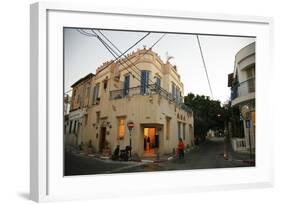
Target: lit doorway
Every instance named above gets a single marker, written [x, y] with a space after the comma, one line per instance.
[149, 143]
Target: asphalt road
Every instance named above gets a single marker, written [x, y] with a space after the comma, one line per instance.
[75, 164]
[207, 156]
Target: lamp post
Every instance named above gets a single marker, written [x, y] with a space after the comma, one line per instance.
[130, 126]
[245, 111]
[218, 115]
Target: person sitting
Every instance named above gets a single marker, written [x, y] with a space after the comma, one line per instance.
[115, 155]
[81, 146]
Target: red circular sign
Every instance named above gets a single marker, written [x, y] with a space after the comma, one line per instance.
[130, 125]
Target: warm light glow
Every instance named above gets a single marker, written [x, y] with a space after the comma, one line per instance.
[121, 128]
[149, 132]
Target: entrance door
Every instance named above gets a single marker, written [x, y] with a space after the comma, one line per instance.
[102, 138]
[149, 141]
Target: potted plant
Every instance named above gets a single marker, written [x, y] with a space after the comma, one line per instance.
[106, 150]
[90, 147]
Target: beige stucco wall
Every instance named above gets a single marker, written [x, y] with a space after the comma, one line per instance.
[143, 110]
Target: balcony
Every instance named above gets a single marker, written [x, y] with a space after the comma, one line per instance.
[243, 90]
[151, 89]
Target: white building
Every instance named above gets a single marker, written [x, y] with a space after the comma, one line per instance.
[242, 83]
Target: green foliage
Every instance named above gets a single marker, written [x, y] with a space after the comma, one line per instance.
[208, 114]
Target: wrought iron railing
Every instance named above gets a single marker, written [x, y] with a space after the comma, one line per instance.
[151, 89]
[243, 88]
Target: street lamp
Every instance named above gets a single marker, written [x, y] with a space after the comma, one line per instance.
[219, 121]
[245, 111]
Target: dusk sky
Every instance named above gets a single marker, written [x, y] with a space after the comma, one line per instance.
[83, 54]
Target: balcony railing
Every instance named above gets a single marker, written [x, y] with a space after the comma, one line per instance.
[151, 89]
[243, 88]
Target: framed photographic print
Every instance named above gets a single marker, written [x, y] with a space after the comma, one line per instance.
[127, 102]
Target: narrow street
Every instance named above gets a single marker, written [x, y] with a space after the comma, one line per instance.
[206, 156]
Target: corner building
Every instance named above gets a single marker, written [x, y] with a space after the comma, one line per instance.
[139, 88]
[243, 87]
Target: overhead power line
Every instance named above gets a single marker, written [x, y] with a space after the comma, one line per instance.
[93, 34]
[123, 53]
[128, 59]
[114, 53]
[85, 33]
[206, 72]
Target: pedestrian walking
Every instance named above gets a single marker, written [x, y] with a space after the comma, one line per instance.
[148, 143]
[144, 143]
[226, 145]
[181, 149]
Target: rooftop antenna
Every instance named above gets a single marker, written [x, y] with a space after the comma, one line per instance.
[168, 57]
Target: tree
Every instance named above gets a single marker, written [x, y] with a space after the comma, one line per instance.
[208, 114]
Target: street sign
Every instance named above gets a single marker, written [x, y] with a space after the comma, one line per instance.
[248, 124]
[130, 125]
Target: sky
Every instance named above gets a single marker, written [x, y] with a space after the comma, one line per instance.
[83, 54]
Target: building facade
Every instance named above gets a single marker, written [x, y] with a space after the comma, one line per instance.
[141, 89]
[79, 103]
[242, 83]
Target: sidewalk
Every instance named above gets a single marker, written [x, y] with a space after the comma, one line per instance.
[243, 157]
[134, 159]
[148, 159]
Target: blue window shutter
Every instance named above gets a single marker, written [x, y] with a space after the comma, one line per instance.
[147, 78]
[158, 83]
[143, 79]
[126, 85]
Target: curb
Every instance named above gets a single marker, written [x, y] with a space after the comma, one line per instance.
[157, 160]
[246, 161]
[134, 160]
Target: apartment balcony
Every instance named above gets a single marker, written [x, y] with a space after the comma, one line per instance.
[151, 89]
[243, 91]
